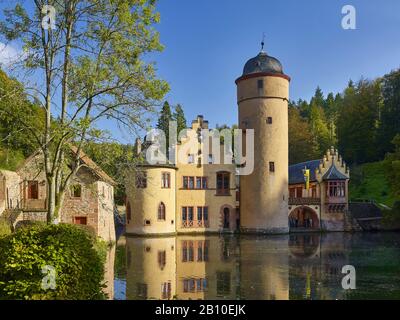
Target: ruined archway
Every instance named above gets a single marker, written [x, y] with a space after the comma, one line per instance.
[303, 218]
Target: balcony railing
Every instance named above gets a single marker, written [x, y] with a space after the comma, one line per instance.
[195, 224]
[304, 201]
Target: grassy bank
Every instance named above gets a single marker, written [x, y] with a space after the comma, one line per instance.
[368, 181]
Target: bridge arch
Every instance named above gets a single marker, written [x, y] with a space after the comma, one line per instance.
[304, 218]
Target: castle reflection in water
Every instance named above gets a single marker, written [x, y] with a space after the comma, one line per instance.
[302, 266]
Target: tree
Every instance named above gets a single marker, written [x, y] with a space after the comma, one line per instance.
[358, 122]
[392, 166]
[179, 117]
[390, 115]
[302, 146]
[16, 141]
[164, 120]
[89, 68]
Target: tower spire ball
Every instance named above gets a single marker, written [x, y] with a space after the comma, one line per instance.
[263, 42]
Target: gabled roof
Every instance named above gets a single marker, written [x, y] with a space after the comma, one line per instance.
[296, 174]
[93, 166]
[84, 158]
[334, 174]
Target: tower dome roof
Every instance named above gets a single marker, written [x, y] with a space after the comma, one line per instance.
[263, 63]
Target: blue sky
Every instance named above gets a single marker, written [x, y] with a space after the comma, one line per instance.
[207, 43]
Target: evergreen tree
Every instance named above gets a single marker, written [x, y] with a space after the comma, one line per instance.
[163, 121]
[179, 117]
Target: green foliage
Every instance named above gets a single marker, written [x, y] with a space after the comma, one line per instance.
[392, 166]
[113, 158]
[302, 146]
[5, 227]
[179, 117]
[358, 122]
[70, 250]
[164, 120]
[390, 114]
[369, 181]
[18, 117]
[391, 218]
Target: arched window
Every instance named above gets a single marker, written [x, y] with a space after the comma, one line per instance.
[161, 211]
[128, 212]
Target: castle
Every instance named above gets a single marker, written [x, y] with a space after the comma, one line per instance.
[200, 196]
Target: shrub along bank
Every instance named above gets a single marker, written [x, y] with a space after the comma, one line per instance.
[28, 256]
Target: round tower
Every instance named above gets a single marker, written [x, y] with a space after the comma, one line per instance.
[262, 95]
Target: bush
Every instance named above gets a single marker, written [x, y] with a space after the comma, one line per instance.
[5, 227]
[70, 250]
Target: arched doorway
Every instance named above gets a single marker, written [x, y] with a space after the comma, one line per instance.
[303, 218]
[226, 218]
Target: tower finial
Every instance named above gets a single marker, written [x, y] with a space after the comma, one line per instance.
[263, 42]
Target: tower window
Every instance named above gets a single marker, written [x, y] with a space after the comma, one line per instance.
[272, 167]
[269, 120]
[260, 84]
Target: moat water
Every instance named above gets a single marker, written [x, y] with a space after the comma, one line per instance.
[298, 266]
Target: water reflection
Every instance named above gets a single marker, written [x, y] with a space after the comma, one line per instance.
[302, 266]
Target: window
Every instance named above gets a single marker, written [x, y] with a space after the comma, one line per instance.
[161, 211]
[187, 251]
[166, 290]
[141, 180]
[190, 158]
[141, 291]
[202, 214]
[314, 191]
[184, 213]
[128, 212]
[80, 220]
[210, 159]
[194, 285]
[166, 180]
[147, 222]
[76, 191]
[202, 250]
[299, 192]
[33, 190]
[269, 120]
[272, 167]
[223, 183]
[191, 183]
[260, 84]
[195, 183]
[198, 182]
[199, 213]
[336, 189]
[223, 283]
[190, 213]
[162, 259]
[292, 192]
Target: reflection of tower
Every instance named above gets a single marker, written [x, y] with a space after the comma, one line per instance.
[262, 93]
[151, 268]
[264, 271]
[315, 263]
